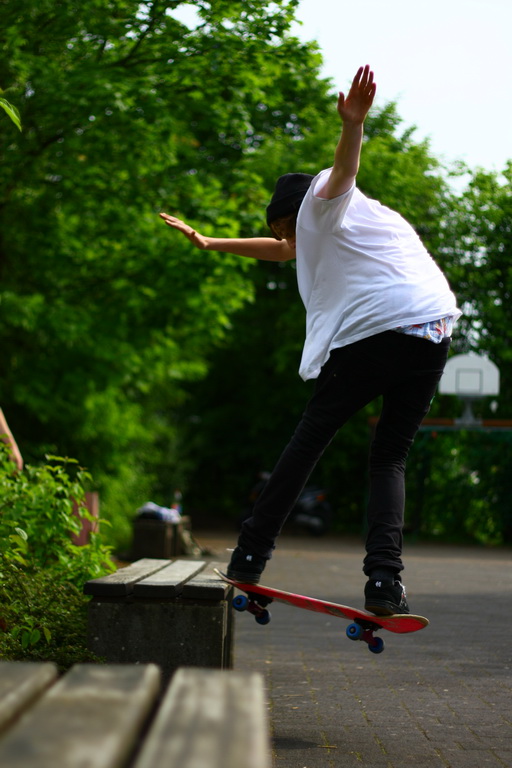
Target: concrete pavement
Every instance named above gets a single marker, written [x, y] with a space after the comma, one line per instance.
[441, 697]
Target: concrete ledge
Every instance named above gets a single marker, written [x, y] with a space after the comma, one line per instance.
[171, 613]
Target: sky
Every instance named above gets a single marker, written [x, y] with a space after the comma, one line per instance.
[447, 64]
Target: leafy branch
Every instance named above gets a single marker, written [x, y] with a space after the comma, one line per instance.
[12, 112]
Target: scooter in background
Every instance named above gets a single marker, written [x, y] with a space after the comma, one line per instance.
[312, 510]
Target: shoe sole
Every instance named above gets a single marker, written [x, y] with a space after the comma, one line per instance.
[243, 578]
[379, 610]
[384, 609]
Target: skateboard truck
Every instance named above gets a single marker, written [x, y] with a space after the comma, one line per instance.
[255, 604]
[363, 630]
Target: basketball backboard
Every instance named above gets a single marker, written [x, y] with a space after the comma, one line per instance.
[470, 376]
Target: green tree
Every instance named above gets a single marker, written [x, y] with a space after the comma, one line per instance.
[478, 254]
[459, 486]
[127, 111]
[480, 262]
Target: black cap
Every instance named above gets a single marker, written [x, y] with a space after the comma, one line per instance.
[288, 195]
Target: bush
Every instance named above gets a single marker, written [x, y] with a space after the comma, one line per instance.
[41, 619]
[43, 610]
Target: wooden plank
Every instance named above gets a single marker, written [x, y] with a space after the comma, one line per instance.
[121, 582]
[91, 718]
[209, 718]
[207, 585]
[169, 581]
[21, 683]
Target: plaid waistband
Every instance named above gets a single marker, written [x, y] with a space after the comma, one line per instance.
[435, 330]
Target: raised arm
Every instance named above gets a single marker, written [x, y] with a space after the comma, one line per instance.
[352, 110]
[262, 248]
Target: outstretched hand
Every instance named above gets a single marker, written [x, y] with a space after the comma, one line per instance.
[355, 107]
[198, 240]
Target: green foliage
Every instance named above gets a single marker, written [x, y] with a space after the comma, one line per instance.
[12, 111]
[42, 619]
[479, 262]
[39, 504]
[43, 610]
[466, 491]
[459, 486]
[104, 313]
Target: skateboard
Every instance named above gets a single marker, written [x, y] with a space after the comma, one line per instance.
[362, 626]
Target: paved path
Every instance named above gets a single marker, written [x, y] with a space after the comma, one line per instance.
[440, 698]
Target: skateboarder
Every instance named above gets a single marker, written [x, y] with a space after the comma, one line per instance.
[379, 315]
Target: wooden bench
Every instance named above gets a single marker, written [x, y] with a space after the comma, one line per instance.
[173, 613]
[113, 717]
[162, 540]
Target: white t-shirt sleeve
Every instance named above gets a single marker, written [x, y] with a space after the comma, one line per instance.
[322, 215]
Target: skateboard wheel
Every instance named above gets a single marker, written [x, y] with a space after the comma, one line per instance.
[263, 618]
[377, 646]
[240, 603]
[354, 631]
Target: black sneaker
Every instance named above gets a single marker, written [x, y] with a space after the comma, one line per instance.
[245, 567]
[384, 598]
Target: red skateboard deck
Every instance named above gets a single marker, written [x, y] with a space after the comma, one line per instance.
[363, 626]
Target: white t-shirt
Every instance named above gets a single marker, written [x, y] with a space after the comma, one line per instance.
[361, 270]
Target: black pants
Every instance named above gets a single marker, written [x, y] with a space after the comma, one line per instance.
[405, 371]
